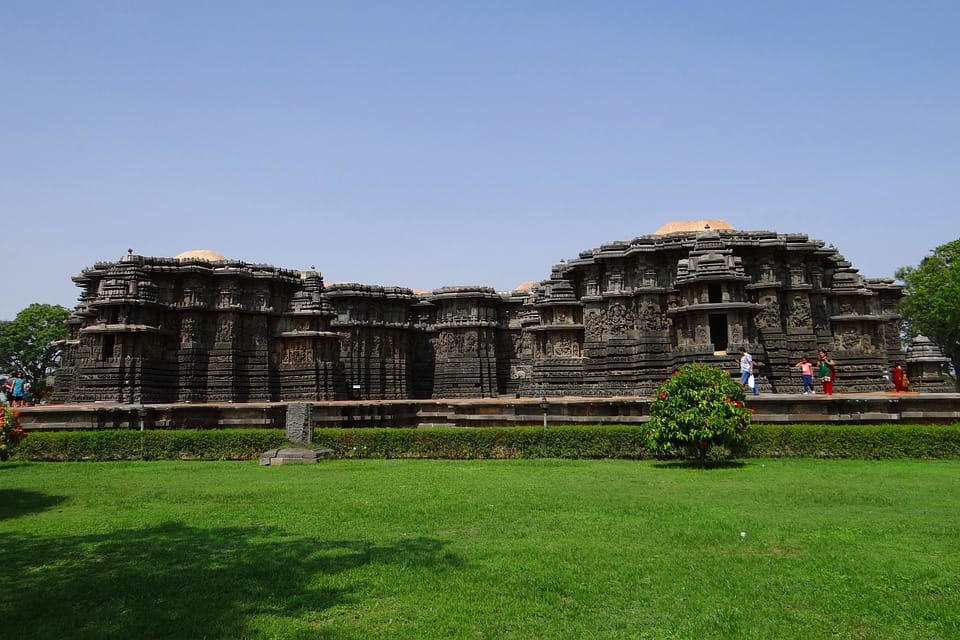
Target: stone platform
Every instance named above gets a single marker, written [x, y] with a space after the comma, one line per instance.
[850, 408]
[275, 457]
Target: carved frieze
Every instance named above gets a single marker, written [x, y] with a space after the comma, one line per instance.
[800, 315]
[769, 315]
[651, 319]
[736, 333]
[204, 330]
[448, 343]
[225, 330]
[620, 320]
[595, 325]
[188, 330]
[566, 348]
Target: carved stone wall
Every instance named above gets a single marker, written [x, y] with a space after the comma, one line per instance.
[175, 330]
[467, 326]
[614, 321]
[654, 303]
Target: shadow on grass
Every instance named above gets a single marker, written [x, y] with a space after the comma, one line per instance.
[18, 502]
[694, 464]
[176, 581]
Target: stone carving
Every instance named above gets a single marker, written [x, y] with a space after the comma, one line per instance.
[800, 313]
[848, 340]
[527, 345]
[565, 348]
[225, 330]
[258, 331]
[346, 344]
[701, 334]
[447, 344]
[516, 344]
[595, 324]
[767, 273]
[147, 329]
[620, 320]
[649, 278]
[651, 319]
[821, 321]
[736, 333]
[188, 330]
[615, 282]
[617, 320]
[797, 275]
[769, 315]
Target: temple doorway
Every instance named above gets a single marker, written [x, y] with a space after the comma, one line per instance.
[718, 331]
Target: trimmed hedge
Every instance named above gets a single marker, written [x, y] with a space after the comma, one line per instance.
[124, 444]
[583, 442]
[855, 441]
[487, 442]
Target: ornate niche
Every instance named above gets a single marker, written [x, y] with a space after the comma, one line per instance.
[801, 316]
[595, 325]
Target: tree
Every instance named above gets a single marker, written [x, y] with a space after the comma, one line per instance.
[27, 343]
[699, 408]
[931, 302]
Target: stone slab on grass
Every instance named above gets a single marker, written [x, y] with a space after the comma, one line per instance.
[294, 456]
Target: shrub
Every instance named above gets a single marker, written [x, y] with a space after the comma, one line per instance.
[573, 442]
[856, 441]
[699, 408]
[129, 444]
[11, 433]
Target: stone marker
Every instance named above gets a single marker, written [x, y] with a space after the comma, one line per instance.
[294, 456]
[299, 427]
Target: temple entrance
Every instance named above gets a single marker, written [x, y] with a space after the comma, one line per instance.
[714, 293]
[718, 331]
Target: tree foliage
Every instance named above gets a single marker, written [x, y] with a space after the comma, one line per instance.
[699, 408]
[931, 302]
[27, 343]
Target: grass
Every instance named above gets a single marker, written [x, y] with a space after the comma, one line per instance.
[480, 549]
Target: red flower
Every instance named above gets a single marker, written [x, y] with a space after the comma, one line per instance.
[738, 403]
[663, 396]
[728, 399]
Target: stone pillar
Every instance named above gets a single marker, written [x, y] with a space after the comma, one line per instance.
[299, 426]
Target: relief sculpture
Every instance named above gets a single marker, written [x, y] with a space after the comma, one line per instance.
[207, 328]
[800, 313]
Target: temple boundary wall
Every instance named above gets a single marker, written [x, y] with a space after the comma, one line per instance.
[854, 408]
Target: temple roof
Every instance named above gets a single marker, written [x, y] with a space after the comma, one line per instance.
[527, 286]
[201, 254]
[686, 226]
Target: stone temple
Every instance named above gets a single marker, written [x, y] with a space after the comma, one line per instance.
[614, 321]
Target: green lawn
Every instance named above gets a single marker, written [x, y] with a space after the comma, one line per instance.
[480, 549]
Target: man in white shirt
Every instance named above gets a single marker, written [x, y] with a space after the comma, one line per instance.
[746, 372]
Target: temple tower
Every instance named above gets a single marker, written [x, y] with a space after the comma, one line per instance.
[465, 342]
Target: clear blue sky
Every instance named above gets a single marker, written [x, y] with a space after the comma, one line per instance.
[456, 142]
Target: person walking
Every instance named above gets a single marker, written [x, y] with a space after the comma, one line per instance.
[747, 378]
[806, 374]
[825, 373]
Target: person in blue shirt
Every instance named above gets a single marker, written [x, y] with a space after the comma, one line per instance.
[18, 390]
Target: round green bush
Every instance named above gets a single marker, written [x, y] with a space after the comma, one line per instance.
[700, 408]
